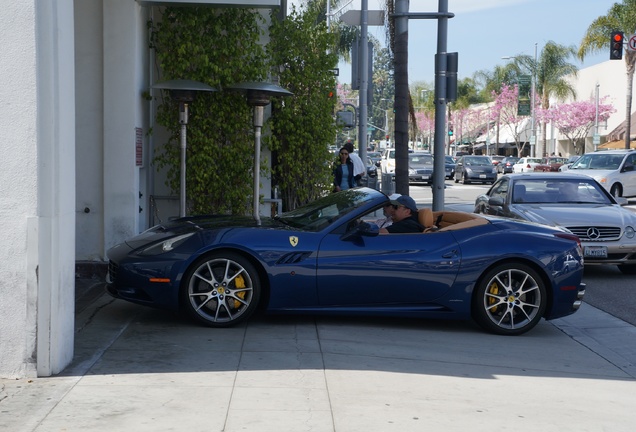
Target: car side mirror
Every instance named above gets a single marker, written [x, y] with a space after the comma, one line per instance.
[362, 229]
[496, 201]
[378, 163]
[628, 167]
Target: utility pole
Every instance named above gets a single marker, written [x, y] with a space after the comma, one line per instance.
[401, 105]
[441, 102]
[363, 69]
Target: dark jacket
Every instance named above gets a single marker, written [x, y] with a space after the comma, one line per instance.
[338, 173]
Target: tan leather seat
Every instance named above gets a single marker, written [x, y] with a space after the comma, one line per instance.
[425, 217]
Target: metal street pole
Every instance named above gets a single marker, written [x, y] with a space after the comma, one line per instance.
[533, 137]
[596, 138]
[441, 102]
[363, 69]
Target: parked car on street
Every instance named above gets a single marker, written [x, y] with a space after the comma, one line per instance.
[614, 169]
[449, 167]
[475, 169]
[496, 159]
[525, 164]
[220, 269]
[387, 163]
[550, 164]
[505, 166]
[371, 179]
[421, 168]
[568, 163]
[573, 201]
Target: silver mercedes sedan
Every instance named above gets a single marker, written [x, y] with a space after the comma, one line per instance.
[573, 201]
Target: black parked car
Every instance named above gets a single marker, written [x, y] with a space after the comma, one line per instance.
[449, 167]
[475, 169]
[505, 166]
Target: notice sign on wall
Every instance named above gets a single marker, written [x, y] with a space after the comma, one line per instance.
[139, 149]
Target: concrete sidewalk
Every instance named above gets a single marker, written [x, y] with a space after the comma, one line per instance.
[139, 369]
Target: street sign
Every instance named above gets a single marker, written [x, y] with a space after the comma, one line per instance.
[353, 17]
[596, 140]
[533, 140]
[524, 106]
[631, 43]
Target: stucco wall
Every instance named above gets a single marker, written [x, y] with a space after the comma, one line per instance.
[18, 177]
[89, 131]
[37, 187]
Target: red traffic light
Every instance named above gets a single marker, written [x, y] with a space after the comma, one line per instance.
[387, 137]
[616, 45]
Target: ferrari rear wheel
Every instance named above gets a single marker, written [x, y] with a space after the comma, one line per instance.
[221, 290]
[510, 300]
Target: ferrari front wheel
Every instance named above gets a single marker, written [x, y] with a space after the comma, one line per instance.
[221, 290]
[510, 299]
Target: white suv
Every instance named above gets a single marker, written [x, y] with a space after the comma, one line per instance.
[614, 169]
[387, 163]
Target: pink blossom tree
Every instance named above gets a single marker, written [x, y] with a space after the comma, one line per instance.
[426, 124]
[504, 112]
[476, 122]
[574, 120]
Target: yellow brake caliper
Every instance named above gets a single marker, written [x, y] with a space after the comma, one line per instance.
[494, 290]
[239, 283]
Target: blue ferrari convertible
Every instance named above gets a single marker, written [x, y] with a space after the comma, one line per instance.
[329, 258]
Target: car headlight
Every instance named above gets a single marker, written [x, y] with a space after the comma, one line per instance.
[629, 232]
[412, 171]
[166, 245]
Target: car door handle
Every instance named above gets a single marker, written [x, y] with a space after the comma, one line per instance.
[451, 254]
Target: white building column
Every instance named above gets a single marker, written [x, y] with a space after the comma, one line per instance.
[124, 81]
[37, 188]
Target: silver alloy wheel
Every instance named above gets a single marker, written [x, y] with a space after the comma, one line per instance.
[512, 300]
[220, 291]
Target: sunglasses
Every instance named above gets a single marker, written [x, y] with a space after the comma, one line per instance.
[344, 153]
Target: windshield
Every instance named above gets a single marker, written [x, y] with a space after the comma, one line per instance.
[477, 161]
[528, 191]
[598, 161]
[416, 160]
[320, 213]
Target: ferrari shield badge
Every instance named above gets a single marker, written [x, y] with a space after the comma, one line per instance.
[293, 240]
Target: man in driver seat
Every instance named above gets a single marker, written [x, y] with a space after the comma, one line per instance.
[404, 217]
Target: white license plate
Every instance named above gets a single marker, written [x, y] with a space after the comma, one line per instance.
[482, 175]
[595, 251]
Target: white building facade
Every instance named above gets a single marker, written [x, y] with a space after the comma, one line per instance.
[73, 128]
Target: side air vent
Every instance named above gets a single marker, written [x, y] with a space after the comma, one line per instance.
[293, 257]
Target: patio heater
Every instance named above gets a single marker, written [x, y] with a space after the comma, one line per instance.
[183, 92]
[259, 95]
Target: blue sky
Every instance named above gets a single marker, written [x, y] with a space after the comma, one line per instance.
[484, 31]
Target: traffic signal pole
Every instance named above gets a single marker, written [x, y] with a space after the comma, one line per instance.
[441, 101]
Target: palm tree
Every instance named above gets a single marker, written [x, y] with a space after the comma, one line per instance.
[620, 17]
[492, 80]
[551, 69]
[346, 34]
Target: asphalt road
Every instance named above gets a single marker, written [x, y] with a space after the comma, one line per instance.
[607, 288]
